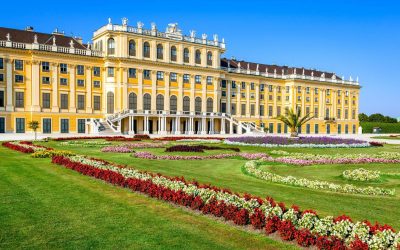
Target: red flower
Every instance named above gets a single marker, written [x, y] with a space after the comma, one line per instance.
[305, 238]
[271, 225]
[257, 219]
[287, 230]
[357, 244]
[330, 243]
[241, 217]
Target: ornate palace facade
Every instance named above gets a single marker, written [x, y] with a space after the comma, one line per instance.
[136, 80]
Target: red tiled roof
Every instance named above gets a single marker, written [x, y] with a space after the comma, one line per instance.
[24, 36]
[271, 68]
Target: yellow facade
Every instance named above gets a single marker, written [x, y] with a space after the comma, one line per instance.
[127, 64]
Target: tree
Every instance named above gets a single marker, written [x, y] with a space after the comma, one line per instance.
[294, 120]
[363, 117]
[34, 125]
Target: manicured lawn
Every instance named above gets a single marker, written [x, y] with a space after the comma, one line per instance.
[387, 137]
[46, 206]
[228, 173]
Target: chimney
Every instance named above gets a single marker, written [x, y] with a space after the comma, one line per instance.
[29, 28]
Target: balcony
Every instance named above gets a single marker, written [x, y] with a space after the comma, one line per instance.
[330, 119]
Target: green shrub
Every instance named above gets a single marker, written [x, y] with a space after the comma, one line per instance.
[386, 127]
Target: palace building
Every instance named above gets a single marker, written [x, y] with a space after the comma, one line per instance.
[133, 80]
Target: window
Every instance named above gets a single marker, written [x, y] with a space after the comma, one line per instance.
[210, 104]
[160, 102]
[243, 94]
[316, 99]
[339, 114]
[132, 48]
[197, 104]
[186, 103]
[327, 113]
[186, 78]
[262, 87]
[354, 129]
[1, 63]
[316, 91]
[307, 110]
[287, 89]
[146, 74]
[63, 68]
[110, 72]
[339, 93]
[223, 84]
[299, 98]
[64, 125]
[131, 73]
[346, 114]
[146, 50]
[19, 65]
[96, 102]
[1, 98]
[110, 102]
[252, 85]
[81, 83]
[19, 99]
[279, 128]
[173, 103]
[132, 101]
[233, 93]
[160, 75]
[270, 88]
[278, 89]
[316, 128]
[261, 97]
[186, 55]
[209, 80]
[233, 84]
[64, 101]
[261, 110]
[339, 128]
[328, 92]
[223, 107]
[81, 102]
[46, 100]
[45, 80]
[111, 46]
[96, 84]
[270, 111]
[223, 93]
[346, 129]
[328, 129]
[1, 77]
[287, 98]
[96, 71]
[46, 127]
[197, 79]
[233, 108]
[278, 111]
[160, 51]
[353, 114]
[243, 109]
[198, 56]
[80, 70]
[243, 85]
[173, 53]
[81, 126]
[147, 102]
[251, 95]
[45, 66]
[209, 58]
[271, 128]
[270, 97]
[63, 81]
[20, 125]
[173, 77]
[19, 78]
[316, 114]
[307, 90]
[308, 129]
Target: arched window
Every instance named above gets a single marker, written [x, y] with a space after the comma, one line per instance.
[146, 49]
[198, 56]
[197, 104]
[210, 105]
[110, 102]
[209, 58]
[132, 101]
[132, 48]
[327, 113]
[147, 102]
[111, 46]
[186, 55]
[160, 51]
[186, 103]
[173, 103]
[173, 53]
[160, 102]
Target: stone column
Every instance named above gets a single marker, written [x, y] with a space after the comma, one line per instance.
[177, 126]
[222, 126]
[9, 79]
[203, 126]
[211, 126]
[54, 86]
[140, 89]
[89, 108]
[231, 127]
[131, 127]
[35, 81]
[72, 94]
[146, 125]
[191, 126]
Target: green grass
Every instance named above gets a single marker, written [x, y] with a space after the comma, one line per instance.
[387, 128]
[228, 173]
[46, 206]
[387, 137]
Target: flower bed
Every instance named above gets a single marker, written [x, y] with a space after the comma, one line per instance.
[24, 146]
[196, 148]
[51, 153]
[107, 138]
[150, 156]
[178, 138]
[85, 143]
[117, 149]
[146, 145]
[304, 142]
[251, 167]
[306, 227]
[143, 137]
[199, 140]
[361, 174]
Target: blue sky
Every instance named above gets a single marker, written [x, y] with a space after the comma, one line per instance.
[357, 38]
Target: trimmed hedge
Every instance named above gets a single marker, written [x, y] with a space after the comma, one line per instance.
[386, 127]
